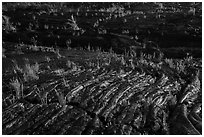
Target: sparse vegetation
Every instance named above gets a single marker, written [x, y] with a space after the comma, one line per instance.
[95, 68]
[71, 83]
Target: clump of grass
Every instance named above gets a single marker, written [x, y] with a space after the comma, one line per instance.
[111, 50]
[170, 62]
[98, 49]
[89, 48]
[61, 98]
[31, 72]
[132, 53]
[98, 64]
[42, 95]
[68, 43]
[65, 83]
[46, 26]
[18, 87]
[34, 48]
[47, 58]
[18, 51]
[7, 26]
[178, 65]
[72, 22]
[90, 64]
[34, 41]
[58, 53]
[60, 72]
[16, 67]
[74, 67]
[188, 59]
[69, 64]
[123, 62]
[107, 61]
[142, 56]
[132, 65]
[51, 49]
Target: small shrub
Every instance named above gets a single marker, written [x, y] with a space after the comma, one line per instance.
[18, 87]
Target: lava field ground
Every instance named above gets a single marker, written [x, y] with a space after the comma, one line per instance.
[62, 78]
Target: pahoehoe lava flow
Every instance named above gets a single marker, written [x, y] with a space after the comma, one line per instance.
[115, 68]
